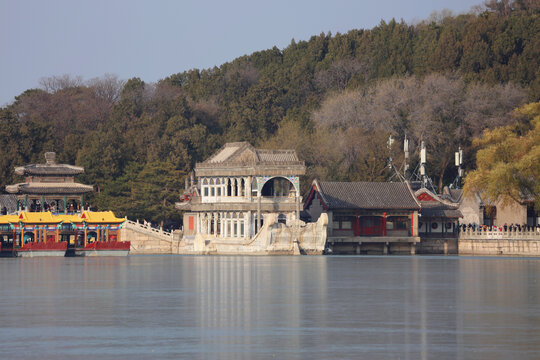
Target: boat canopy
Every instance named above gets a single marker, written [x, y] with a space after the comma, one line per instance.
[90, 217]
[101, 217]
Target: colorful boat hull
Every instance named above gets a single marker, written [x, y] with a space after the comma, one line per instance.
[37, 249]
[109, 248]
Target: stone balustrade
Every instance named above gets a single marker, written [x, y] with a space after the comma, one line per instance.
[146, 228]
[532, 233]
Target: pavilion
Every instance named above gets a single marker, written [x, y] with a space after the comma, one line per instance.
[49, 187]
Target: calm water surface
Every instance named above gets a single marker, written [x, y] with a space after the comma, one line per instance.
[190, 307]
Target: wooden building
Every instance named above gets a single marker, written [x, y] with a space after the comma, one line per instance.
[49, 187]
[366, 217]
[439, 217]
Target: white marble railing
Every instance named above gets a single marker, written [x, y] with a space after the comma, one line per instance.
[484, 234]
[146, 228]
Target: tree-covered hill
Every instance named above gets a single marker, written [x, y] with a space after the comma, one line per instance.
[334, 98]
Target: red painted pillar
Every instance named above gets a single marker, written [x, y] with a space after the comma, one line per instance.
[412, 223]
[384, 224]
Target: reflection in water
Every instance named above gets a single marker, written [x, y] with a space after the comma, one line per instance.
[270, 307]
[242, 298]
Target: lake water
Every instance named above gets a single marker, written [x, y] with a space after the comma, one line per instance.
[272, 307]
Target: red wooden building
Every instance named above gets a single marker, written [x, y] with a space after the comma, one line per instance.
[366, 217]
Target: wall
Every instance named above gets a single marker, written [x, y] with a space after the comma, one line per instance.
[144, 242]
[519, 243]
[315, 209]
[499, 247]
[437, 246]
[513, 213]
[470, 209]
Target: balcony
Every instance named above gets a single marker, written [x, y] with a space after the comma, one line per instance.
[240, 203]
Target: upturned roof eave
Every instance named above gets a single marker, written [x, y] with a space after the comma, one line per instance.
[24, 188]
[45, 169]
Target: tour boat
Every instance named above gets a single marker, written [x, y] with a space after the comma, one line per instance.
[101, 235]
[8, 235]
[31, 234]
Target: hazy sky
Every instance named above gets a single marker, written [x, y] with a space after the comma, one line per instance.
[154, 39]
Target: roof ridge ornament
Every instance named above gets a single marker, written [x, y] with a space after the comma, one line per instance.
[50, 158]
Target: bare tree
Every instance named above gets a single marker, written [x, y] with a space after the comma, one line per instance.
[440, 110]
[108, 88]
[337, 76]
[55, 83]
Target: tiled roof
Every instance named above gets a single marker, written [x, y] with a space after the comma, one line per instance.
[441, 213]
[242, 153]
[49, 168]
[225, 153]
[367, 195]
[46, 169]
[38, 217]
[100, 217]
[49, 188]
[438, 207]
[277, 155]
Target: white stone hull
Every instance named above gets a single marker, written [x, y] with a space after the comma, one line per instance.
[274, 238]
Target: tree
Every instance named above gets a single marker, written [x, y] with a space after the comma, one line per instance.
[508, 160]
[440, 110]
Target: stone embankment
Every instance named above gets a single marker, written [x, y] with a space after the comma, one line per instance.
[148, 240]
[513, 243]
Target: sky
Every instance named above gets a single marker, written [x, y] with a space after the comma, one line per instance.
[154, 39]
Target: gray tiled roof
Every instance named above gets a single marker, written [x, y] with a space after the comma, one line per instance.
[49, 188]
[49, 168]
[367, 195]
[439, 209]
[242, 153]
[46, 169]
[456, 194]
[277, 155]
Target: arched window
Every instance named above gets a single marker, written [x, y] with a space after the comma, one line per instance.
[277, 186]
